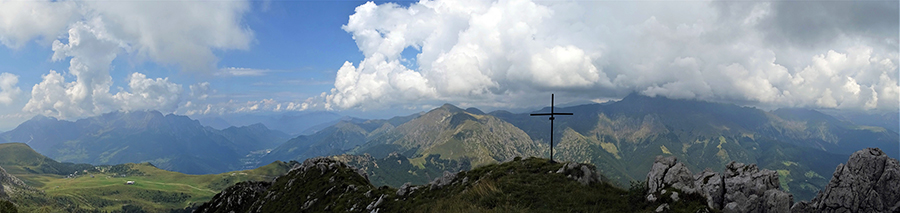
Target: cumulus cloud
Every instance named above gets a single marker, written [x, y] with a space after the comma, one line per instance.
[93, 34]
[183, 33]
[24, 20]
[8, 89]
[780, 54]
[200, 91]
[149, 94]
[232, 106]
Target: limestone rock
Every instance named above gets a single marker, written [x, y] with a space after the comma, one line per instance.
[741, 188]
[868, 182]
[662, 208]
[444, 180]
[656, 176]
[11, 185]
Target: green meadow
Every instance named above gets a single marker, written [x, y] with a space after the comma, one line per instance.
[67, 187]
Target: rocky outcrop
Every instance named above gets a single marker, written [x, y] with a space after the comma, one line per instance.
[741, 188]
[868, 182]
[10, 185]
[235, 198]
[316, 185]
[583, 173]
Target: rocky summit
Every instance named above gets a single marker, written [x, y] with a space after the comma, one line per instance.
[868, 182]
[741, 188]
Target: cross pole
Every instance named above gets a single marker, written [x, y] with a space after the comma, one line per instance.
[551, 114]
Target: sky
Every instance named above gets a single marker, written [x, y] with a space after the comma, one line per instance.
[72, 59]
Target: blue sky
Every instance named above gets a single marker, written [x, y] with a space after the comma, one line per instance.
[379, 59]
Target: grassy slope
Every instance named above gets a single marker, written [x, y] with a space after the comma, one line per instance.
[154, 189]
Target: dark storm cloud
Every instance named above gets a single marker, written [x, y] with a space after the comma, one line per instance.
[808, 24]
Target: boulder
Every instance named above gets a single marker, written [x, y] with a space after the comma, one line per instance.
[442, 181]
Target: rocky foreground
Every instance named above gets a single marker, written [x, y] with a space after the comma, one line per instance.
[520, 185]
[868, 182]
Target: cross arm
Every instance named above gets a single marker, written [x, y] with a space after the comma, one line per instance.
[551, 114]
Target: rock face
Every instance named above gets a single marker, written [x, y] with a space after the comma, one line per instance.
[10, 185]
[741, 188]
[868, 182]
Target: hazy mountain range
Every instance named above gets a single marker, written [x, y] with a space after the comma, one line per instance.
[171, 142]
[293, 123]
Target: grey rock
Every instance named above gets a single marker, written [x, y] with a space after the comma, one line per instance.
[711, 186]
[777, 201]
[651, 197]
[444, 180]
[403, 189]
[11, 185]
[656, 176]
[741, 188]
[375, 203]
[663, 207]
[868, 182]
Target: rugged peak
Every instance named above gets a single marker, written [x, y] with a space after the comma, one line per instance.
[866, 183]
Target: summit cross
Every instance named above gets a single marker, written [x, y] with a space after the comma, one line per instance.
[551, 114]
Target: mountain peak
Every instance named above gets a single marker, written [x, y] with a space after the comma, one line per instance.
[451, 108]
[474, 111]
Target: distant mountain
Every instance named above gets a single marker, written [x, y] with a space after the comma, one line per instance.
[339, 138]
[171, 142]
[293, 123]
[454, 133]
[887, 120]
[254, 137]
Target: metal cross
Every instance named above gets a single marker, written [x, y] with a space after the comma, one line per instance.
[551, 114]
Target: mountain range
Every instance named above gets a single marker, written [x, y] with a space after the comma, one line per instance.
[621, 138]
[293, 123]
[171, 142]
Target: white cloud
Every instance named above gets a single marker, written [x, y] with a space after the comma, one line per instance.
[149, 94]
[93, 34]
[510, 50]
[183, 33]
[9, 92]
[239, 71]
[21, 21]
[232, 106]
[200, 91]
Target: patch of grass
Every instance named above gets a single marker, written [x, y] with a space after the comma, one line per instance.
[154, 189]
